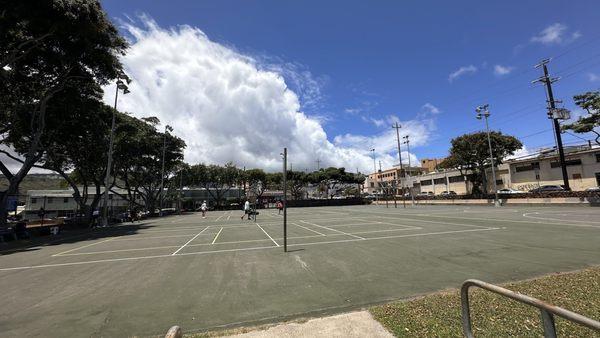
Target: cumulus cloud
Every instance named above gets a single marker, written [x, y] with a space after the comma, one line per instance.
[500, 70]
[229, 107]
[593, 77]
[461, 71]
[556, 33]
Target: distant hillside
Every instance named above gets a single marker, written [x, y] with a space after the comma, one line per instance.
[36, 182]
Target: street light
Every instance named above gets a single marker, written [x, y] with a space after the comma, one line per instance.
[120, 86]
[483, 112]
[407, 142]
[374, 172]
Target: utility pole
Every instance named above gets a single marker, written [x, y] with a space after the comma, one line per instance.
[397, 126]
[284, 199]
[318, 164]
[547, 80]
[381, 185]
[122, 86]
[407, 142]
[483, 111]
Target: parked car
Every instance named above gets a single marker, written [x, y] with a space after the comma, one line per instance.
[548, 188]
[593, 189]
[510, 191]
[448, 193]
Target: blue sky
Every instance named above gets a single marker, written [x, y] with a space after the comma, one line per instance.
[357, 66]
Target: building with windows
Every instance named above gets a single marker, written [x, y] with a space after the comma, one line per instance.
[390, 180]
[543, 168]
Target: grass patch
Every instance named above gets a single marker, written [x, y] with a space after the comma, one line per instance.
[438, 315]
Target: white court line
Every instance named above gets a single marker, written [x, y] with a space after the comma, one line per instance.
[437, 222]
[320, 226]
[231, 250]
[217, 236]
[121, 250]
[388, 230]
[263, 230]
[188, 242]
[303, 227]
[513, 221]
[218, 218]
[153, 237]
[81, 247]
[528, 215]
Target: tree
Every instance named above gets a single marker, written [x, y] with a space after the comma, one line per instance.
[329, 178]
[471, 152]
[296, 181]
[138, 157]
[217, 180]
[46, 47]
[257, 181]
[589, 101]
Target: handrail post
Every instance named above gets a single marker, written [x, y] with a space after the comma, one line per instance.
[548, 322]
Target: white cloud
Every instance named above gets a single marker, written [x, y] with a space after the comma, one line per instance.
[523, 152]
[461, 71]
[429, 108]
[500, 70]
[229, 107]
[555, 34]
[593, 77]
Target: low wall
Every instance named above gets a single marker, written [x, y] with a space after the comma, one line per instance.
[325, 203]
[592, 201]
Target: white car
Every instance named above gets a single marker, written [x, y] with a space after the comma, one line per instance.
[594, 189]
[510, 191]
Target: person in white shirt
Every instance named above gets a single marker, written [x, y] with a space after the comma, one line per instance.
[246, 209]
[203, 208]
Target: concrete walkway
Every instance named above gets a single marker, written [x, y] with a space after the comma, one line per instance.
[353, 324]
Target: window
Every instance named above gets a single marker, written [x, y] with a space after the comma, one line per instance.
[33, 200]
[65, 200]
[499, 182]
[556, 164]
[537, 176]
[441, 180]
[50, 200]
[597, 157]
[527, 167]
[427, 182]
[576, 176]
[454, 179]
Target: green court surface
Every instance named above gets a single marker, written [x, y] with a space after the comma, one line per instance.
[221, 271]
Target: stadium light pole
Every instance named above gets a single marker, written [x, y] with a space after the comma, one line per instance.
[483, 111]
[162, 172]
[120, 85]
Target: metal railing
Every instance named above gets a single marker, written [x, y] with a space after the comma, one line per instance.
[547, 311]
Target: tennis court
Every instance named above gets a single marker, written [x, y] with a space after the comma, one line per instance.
[206, 273]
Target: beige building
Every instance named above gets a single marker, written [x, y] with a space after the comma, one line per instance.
[392, 179]
[583, 169]
[430, 164]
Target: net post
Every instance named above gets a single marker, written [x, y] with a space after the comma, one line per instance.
[284, 199]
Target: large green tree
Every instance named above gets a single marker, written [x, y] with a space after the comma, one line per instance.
[45, 48]
[471, 152]
[138, 159]
[590, 123]
[217, 180]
